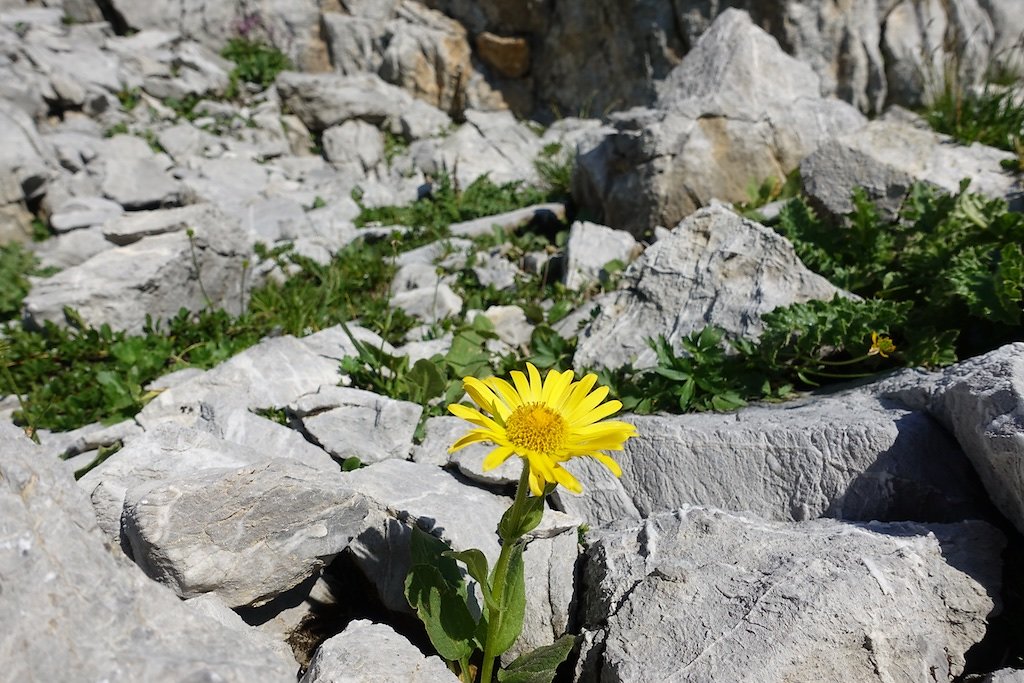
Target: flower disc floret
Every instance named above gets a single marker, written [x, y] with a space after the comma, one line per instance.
[544, 422]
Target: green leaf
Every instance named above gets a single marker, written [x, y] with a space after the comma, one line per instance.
[425, 381]
[476, 565]
[513, 602]
[540, 665]
[516, 522]
[442, 610]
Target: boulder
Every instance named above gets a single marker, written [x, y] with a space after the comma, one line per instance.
[429, 304]
[354, 144]
[737, 110]
[847, 456]
[23, 171]
[73, 608]
[366, 652]
[133, 176]
[246, 534]
[465, 517]
[886, 157]
[714, 268]
[153, 277]
[981, 402]
[701, 594]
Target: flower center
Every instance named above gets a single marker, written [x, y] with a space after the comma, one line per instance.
[536, 427]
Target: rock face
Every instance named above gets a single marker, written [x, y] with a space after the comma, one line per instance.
[715, 268]
[848, 456]
[736, 110]
[67, 596]
[704, 595]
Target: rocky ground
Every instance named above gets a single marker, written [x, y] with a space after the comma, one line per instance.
[870, 533]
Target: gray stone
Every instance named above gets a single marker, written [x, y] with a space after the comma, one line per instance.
[354, 144]
[166, 452]
[246, 534]
[209, 605]
[325, 100]
[886, 157]
[373, 653]
[1004, 676]
[84, 212]
[715, 268]
[184, 140]
[489, 143]
[356, 43]
[736, 110]
[71, 249]
[465, 517]
[701, 594]
[510, 324]
[494, 270]
[23, 170]
[590, 248]
[133, 176]
[272, 374]
[228, 182]
[435, 252]
[981, 401]
[73, 608]
[417, 275]
[155, 277]
[357, 423]
[510, 221]
[128, 229]
[846, 456]
[429, 304]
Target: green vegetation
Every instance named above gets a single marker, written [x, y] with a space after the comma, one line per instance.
[256, 63]
[16, 265]
[991, 116]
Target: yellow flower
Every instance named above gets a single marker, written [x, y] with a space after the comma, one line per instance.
[881, 345]
[546, 423]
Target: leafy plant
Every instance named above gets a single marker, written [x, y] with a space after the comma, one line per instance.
[17, 264]
[991, 116]
[255, 62]
[555, 166]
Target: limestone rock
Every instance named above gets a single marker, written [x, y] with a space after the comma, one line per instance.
[429, 304]
[736, 110]
[354, 143]
[509, 56]
[356, 423]
[151, 277]
[701, 594]
[246, 534]
[885, 158]
[981, 401]
[72, 607]
[366, 652]
[590, 248]
[847, 456]
[715, 268]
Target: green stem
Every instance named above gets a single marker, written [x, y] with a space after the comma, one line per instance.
[851, 361]
[836, 375]
[498, 583]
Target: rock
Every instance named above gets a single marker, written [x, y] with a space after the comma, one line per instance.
[325, 100]
[494, 270]
[1004, 676]
[886, 158]
[84, 212]
[510, 324]
[489, 143]
[508, 55]
[71, 249]
[153, 277]
[465, 517]
[166, 452]
[820, 600]
[74, 608]
[373, 653]
[23, 171]
[357, 423]
[246, 534]
[590, 248]
[715, 268]
[736, 110]
[511, 221]
[134, 177]
[354, 144]
[208, 604]
[272, 374]
[429, 304]
[846, 456]
[981, 402]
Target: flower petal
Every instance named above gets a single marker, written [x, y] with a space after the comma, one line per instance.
[471, 437]
[485, 398]
[505, 390]
[555, 387]
[599, 413]
[522, 386]
[497, 457]
[608, 462]
[475, 416]
[536, 386]
[563, 477]
[587, 404]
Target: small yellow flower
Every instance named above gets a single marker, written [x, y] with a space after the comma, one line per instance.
[546, 423]
[881, 345]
